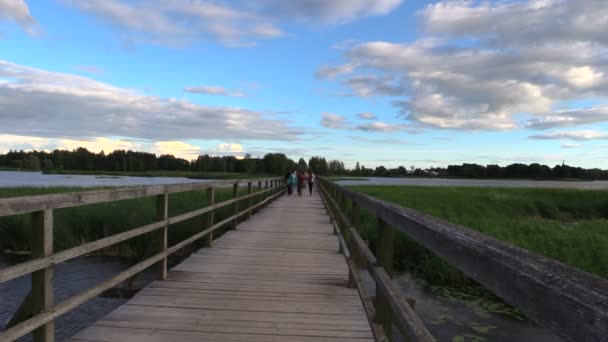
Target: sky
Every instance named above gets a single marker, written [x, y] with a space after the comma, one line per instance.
[379, 82]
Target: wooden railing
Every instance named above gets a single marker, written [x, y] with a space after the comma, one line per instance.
[570, 302]
[38, 311]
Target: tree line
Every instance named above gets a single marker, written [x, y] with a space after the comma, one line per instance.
[81, 159]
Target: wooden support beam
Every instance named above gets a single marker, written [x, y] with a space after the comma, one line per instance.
[385, 246]
[162, 214]
[42, 280]
[250, 206]
[209, 220]
[235, 195]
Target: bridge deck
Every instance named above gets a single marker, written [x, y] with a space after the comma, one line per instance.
[278, 277]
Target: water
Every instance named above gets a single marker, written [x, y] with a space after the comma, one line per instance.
[39, 179]
[71, 277]
[469, 314]
[585, 185]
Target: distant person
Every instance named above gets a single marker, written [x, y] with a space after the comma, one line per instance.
[293, 180]
[311, 180]
[288, 183]
[300, 182]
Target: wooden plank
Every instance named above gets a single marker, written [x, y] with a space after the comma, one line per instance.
[115, 334]
[250, 286]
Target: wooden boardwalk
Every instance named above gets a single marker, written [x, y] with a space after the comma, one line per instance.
[278, 277]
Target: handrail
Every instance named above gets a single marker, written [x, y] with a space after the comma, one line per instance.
[39, 304]
[570, 302]
[390, 306]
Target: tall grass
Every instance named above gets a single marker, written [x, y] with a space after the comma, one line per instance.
[570, 226]
[77, 225]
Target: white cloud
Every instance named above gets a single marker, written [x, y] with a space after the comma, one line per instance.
[327, 12]
[571, 117]
[570, 145]
[19, 12]
[572, 135]
[213, 90]
[179, 22]
[486, 62]
[57, 105]
[230, 147]
[232, 23]
[378, 127]
[367, 116]
[334, 121]
[177, 148]
[97, 144]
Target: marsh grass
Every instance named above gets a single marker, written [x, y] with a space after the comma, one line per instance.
[78, 225]
[570, 226]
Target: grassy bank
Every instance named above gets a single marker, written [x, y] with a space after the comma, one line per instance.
[337, 179]
[74, 226]
[566, 225]
[176, 174]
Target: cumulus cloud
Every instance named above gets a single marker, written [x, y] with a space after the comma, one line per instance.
[570, 117]
[515, 60]
[19, 12]
[334, 121]
[367, 116]
[572, 135]
[232, 23]
[98, 144]
[177, 148]
[180, 22]
[328, 12]
[212, 90]
[48, 104]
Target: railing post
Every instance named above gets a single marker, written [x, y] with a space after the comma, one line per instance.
[384, 248]
[250, 199]
[162, 213]
[384, 258]
[259, 198]
[42, 280]
[235, 195]
[209, 223]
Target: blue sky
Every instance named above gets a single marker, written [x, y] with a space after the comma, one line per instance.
[441, 82]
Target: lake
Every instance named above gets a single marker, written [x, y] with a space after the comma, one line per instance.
[39, 179]
[585, 185]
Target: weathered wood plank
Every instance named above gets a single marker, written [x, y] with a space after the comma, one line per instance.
[252, 285]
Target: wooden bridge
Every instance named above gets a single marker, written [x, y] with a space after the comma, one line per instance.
[291, 272]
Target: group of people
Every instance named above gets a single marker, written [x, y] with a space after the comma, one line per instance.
[299, 180]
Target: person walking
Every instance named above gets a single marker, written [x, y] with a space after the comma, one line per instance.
[300, 182]
[288, 183]
[293, 180]
[311, 179]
